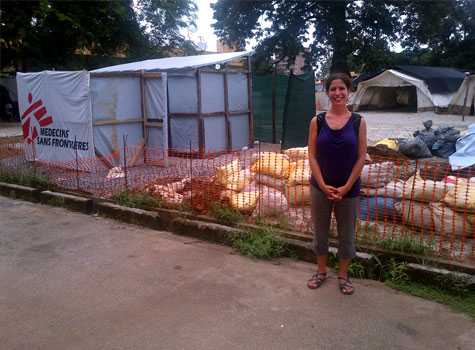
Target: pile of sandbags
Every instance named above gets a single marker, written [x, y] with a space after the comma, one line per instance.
[170, 194]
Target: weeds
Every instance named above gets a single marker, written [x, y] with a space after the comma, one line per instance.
[406, 244]
[457, 301]
[260, 243]
[281, 222]
[137, 200]
[226, 215]
[31, 180]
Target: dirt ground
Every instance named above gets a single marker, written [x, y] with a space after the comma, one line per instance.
[72, 281]
[390, 124]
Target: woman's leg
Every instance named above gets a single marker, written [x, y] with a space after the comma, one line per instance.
[321, 217]
[346, 212]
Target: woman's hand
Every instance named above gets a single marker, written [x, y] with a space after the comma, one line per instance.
[330, 191]
[341, 192]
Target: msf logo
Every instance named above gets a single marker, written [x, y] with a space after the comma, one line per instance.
[34, 118]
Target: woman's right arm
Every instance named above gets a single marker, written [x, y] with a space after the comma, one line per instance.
[314, 167]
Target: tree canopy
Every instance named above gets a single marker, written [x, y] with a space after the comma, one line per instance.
[46, 33]
[350, 34]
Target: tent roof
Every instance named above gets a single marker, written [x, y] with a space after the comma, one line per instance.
[440, 80]
[175, 63]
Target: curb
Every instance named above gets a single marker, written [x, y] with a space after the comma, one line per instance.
[206, 229]
[75, 203]
[21, 192]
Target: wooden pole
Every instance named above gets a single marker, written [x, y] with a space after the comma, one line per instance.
[249, 102]
[274, 106]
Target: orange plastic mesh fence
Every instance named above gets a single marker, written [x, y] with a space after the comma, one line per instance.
[423, 202]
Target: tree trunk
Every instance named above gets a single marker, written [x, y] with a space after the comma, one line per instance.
[340, 47]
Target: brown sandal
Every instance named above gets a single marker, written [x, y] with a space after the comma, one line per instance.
[346, 287]
[317, 280]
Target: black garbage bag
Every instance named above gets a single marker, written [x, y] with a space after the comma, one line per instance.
[427, 135]
[414, 148]
[444, 146]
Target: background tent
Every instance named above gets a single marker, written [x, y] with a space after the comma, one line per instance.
[463, 101]
[193, 104]
[412, 88]
[205, 107]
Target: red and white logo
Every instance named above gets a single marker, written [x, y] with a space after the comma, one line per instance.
[31, 125]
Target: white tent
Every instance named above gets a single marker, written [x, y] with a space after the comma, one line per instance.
[393, 89]
[463, 101]
[194, 104]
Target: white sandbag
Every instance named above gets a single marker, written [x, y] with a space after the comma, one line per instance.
[299, 173]
[377, 174]
[416, 214]
[393, 189]
[298, 195]
[449, 222]
[297, 153]
[461, 197]
[270, 181]
[236, 181]
[271, 202]
[422, 190]
[272, 164]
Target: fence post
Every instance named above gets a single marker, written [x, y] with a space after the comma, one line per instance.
[124, 141]
[191, 176]
[259, 179]
[77, 162]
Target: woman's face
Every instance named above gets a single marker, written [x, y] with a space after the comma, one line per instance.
[338, 92]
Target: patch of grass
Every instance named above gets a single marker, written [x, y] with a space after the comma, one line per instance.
[226, 215]
[31, 180]
[458, 301]
[281, 222]
[137, 200]
[406, 244]
[260, 243]
[356, 270]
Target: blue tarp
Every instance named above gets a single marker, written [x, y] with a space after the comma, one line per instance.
[464, 155]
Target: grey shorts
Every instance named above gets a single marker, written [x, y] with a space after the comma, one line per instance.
[346, 212]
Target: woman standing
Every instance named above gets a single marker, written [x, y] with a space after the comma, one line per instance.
[337, 150]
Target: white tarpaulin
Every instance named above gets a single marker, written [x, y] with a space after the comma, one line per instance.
[371, 92]
[175, 63]
[464, 98]
[55, 112]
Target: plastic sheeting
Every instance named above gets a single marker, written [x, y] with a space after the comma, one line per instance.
[56, 114]
[464, 155]
[176, 63]
[464, 98]
[118, 99]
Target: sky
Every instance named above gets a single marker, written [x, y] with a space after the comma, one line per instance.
[203, 32]
[204, 36]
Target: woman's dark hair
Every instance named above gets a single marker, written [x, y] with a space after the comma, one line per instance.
[335, 76]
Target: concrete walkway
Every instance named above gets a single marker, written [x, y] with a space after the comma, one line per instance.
[71, 281]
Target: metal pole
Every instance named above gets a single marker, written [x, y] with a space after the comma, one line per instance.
[77, 162]
[274, 106]
[124, 141]
[191, 176]
[466, 95]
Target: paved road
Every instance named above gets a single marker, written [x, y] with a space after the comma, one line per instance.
[71, 281]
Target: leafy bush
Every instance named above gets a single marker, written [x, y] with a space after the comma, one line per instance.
[226, 215]
[260, 243]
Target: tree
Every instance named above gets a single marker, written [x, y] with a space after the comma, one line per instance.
[349, 33]
[47, 33]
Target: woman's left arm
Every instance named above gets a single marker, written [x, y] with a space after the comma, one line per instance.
[358, 167]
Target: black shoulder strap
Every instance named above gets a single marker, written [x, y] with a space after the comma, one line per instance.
[356, 124]
[320, 121]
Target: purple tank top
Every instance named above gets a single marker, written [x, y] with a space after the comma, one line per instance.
[337, 153]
